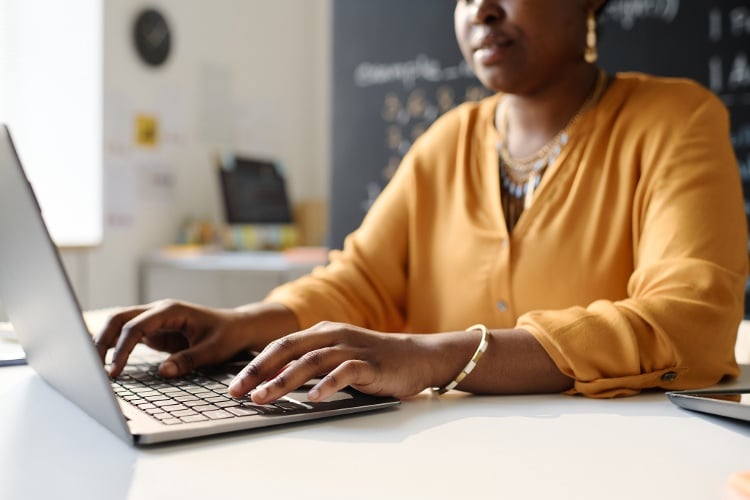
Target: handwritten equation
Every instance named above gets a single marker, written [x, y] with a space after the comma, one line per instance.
[627, 13]
[414, 94]
[729, 73]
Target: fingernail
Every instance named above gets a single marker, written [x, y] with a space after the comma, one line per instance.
[168, 369]
[234, 386]
[261, 391]
[314, 394]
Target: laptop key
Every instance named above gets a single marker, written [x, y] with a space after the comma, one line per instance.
[214, 386]
[185, 399]
[194, 418]
[216, 399]
[157, 397]
[165, 402]
[205, 408]
[171, 390]
[174, 408]
[217, 414]
[241, 411]
[226, 404]
[184, 413]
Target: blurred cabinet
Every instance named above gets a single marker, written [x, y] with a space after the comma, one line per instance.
[220, 279]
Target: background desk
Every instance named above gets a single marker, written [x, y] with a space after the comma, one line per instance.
[452, 447]
[220, 279]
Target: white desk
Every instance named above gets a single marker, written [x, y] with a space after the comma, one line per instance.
[452, 447]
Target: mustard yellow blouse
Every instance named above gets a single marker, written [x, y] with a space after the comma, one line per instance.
[629, 268]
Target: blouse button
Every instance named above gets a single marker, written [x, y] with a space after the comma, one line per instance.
[502, 306]
[669, 376]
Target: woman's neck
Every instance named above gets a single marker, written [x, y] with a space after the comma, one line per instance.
[533, 120]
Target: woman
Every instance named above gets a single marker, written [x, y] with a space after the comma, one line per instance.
[593, 223]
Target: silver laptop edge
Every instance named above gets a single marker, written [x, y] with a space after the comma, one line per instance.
[28, 257]
[45, 313]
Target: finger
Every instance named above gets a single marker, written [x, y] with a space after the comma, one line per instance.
[269, 362]
[275, 357]
[110, 332]
[169, 316]
[284, 351]
[353, 372]
[299, 372]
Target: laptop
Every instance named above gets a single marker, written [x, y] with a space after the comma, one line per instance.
[139, 407]
[731, 403]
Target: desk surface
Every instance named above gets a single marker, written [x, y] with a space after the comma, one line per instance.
[455, 446]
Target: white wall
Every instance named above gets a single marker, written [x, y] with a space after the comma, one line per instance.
[246, 76]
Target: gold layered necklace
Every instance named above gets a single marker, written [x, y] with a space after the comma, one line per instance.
[520, 177]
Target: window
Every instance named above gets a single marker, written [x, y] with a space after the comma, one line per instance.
[51, 99]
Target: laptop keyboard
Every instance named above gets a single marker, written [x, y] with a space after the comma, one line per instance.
[198, 397]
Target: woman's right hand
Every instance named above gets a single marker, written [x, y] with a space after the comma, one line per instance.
[196, 336]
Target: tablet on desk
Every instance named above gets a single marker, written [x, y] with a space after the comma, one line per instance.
[732, 403]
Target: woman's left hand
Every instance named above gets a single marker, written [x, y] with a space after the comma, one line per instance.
[385, 364]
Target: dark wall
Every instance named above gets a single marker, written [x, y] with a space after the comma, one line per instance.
[397, 67]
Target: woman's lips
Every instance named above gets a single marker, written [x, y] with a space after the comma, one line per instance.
[491, 47]
[493, 53]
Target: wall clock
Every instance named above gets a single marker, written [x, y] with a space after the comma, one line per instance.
[152, 37]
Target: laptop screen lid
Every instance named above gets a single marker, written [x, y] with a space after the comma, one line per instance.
[40, 302]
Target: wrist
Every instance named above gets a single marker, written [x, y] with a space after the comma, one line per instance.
[264, 322]
[468, 368]
[448, 354]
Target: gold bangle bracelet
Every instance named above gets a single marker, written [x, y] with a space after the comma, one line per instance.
[483, 344]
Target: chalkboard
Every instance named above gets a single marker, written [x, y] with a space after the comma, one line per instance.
[707, 41]
[397, 67]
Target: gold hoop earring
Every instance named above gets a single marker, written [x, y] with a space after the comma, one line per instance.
[590, 54]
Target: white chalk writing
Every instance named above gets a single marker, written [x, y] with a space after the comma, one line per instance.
[739, 21]
[741, 137]
[739, 75]
[745, 170]
[628, 12]
[423, 67]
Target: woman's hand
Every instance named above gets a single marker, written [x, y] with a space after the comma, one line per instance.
[385, 364]
[196, 336]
